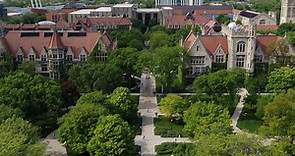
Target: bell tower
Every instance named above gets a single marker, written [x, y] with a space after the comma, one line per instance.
[287, 11]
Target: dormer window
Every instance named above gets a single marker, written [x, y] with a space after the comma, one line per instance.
[219, 58]
[19, 58]
[82, 58]
[197, 47]
[69, 58]
[31, 57]
[43, 58]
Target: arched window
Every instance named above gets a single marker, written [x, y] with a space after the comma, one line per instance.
[241, 47]
[262, 21]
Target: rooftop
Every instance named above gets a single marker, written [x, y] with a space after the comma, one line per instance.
[249, 14]
[124, 5]
[147, 10]
[83, 11]
[103, 9]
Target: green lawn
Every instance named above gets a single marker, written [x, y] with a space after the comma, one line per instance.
[165, 128]
[249, 122]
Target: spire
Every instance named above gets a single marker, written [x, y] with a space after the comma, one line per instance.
[55, 41]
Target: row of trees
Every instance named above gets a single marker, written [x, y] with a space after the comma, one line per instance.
[100, 124]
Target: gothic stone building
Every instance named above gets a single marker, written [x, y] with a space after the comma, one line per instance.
[50, 50]
[236, 47]
[288, 11]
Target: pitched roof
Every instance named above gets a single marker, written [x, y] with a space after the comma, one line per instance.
[265, 41]
[183, 20]
[55, 42]
[189, 40]
[211, 43]
[15, 41]
[266, 27]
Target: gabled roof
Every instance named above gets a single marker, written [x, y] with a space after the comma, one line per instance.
[211, 43]
[189, 41]
[265, 41]
[55, 42]
[15, 41]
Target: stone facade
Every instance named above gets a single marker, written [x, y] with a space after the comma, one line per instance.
[287, 11]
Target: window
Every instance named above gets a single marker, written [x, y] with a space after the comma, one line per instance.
[219, 58]
[101, 56]
[240, 61]
[1, 56]
[258, 58]
[197, 48]
[200, 70]
[241, 47]
[32, 57]
[198, 60]
[19, 58]
[54, 55]
[189, 71]
[82, 58]
[44, 67]
[60, 56]
[43, 58]
[69, 57]
[262, 21]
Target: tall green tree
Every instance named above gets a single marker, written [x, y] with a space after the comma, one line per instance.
[76, 127]
[280, 80]
[112, 136]
[28, 93]
[173, 106]
[206, 118]
[159, 39]
[167, 65]
[18, 137]
[279, 115]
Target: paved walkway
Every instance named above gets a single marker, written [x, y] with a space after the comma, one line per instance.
[148, 108]
[54, 147]
[243, 93]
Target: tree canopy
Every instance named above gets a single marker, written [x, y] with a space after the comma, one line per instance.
[112, 136]
[205, 119]
[173, 106]
[281, 79]
[279, 115]
[77, 125]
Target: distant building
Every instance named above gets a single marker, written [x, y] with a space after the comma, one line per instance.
[103, 23]
[51, 50]
[250, 17]
[236, 47]
[287, 11]
[159, 3]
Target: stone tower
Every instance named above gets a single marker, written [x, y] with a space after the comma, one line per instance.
[288, 11]
[241, 46]
[56, 54]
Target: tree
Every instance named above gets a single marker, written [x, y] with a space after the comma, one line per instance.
[27, 67]
[8, 112]
[223, 19]
[235, 144]
[96, 97]
[112, 136]
[280, 80]
[158, 39]
[6, 64]
[144, 60]
[206, 118]
[18, 137]
[36, 96]
[28, 18]
[280, 52]
[291, 38]
[120, 102]
[266, 5]
[285, 28]
[167, 65]
[77, 125]
[125, 37]
[279, 115]
[96, 76]
[262, 101]
[173, 106]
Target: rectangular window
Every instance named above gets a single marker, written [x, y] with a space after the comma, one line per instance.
[82, 58]
[69, 57]
[55, 56]
[60, 56]
[43, 58]
[240, 61]
[101, 56]
[19, 58]
[197, 48]
[199, 70]
[258, 58]
[219, 58]
[1, 56]
[189, 71]
[32, 57]
[198, 60]
[44, 67]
